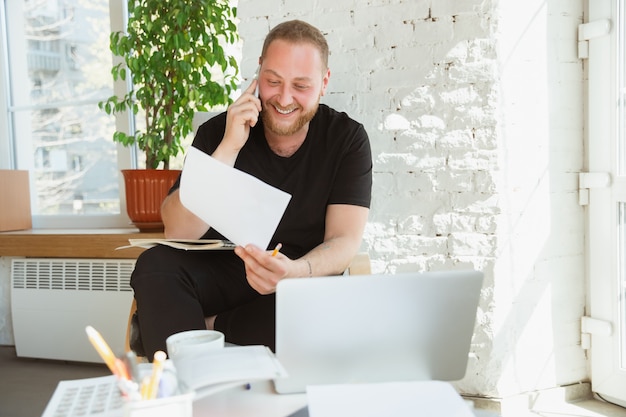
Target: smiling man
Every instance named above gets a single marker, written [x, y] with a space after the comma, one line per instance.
[287, 139]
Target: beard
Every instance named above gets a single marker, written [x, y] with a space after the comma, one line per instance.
[286, 130]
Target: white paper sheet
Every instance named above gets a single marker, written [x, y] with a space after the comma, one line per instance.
[397, 399]
[241, 207]
[235, 364]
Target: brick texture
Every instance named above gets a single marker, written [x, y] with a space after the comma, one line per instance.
[474, 114]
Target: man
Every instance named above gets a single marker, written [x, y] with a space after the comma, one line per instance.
[319, 156]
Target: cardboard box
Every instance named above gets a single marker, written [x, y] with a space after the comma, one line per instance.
[14, 200]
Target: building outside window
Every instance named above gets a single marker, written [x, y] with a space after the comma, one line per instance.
[57, 68]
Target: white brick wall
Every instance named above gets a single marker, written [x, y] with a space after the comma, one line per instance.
[474, 111]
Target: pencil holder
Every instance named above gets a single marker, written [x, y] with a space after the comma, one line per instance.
[174, 406]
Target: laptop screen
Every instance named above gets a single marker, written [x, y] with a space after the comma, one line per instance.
[375, 328]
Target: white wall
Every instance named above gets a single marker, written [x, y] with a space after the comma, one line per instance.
[540, 269]
[474, 111]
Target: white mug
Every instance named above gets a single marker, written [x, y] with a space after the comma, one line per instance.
[185, 349]
[193, 342]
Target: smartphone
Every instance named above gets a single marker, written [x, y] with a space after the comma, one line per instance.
[256, 77]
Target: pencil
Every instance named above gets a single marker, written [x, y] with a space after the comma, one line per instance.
[122, 370]
[103, 349]
[155, 378]
[276, 249]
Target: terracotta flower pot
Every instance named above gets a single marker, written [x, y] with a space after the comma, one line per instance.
[145, 191]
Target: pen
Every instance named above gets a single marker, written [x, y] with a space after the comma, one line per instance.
[276, 249]
[103, 349]
[130, 361]
[143, 388]
[122, 370]
[256, 77]
[129, 389]
[155, 378]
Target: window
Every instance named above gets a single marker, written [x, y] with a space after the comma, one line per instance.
[54, 70]
[607, 204]
[56, 66]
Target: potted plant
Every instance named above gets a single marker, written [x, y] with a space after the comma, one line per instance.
[173, 52]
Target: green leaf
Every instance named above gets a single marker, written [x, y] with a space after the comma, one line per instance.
[173, 53]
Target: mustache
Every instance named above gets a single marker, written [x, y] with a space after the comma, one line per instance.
[290, 108]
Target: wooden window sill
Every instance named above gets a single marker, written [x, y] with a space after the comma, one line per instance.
[71, 243]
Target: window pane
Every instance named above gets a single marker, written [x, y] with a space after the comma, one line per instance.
[73, 159]
[621, 82]
[59, 70]
[621, 325]
[621, 125]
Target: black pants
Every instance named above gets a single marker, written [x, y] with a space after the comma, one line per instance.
[176, 289]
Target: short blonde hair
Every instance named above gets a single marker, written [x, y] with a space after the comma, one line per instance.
[298, 31]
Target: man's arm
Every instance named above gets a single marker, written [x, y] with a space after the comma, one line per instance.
[180, 223]
[243, 114]
[344, 230]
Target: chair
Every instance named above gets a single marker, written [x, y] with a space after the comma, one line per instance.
[360, 265]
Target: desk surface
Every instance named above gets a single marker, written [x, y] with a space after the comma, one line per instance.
[71, 243]
[259, 401]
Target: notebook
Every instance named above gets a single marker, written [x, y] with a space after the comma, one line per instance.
[375, 328]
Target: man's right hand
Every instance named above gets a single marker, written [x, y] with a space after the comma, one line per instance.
[240, 117]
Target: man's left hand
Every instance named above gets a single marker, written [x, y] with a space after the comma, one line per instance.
[263, 271]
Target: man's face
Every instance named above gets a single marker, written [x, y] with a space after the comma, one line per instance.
[291, 81]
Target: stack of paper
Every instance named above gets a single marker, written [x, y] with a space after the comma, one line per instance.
[397, 399]
[185, 244]
[233, 365]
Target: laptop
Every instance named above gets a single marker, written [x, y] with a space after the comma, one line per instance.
[375, 328]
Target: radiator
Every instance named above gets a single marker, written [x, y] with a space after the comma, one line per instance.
[53, 300]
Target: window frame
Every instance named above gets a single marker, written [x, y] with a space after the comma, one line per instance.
[126, 156]
[608, 374]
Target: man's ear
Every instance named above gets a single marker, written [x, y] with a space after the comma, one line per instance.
[325, 82]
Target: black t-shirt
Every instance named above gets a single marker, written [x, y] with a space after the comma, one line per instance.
[333, 166]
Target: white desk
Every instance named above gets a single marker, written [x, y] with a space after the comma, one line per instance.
[259, 401]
